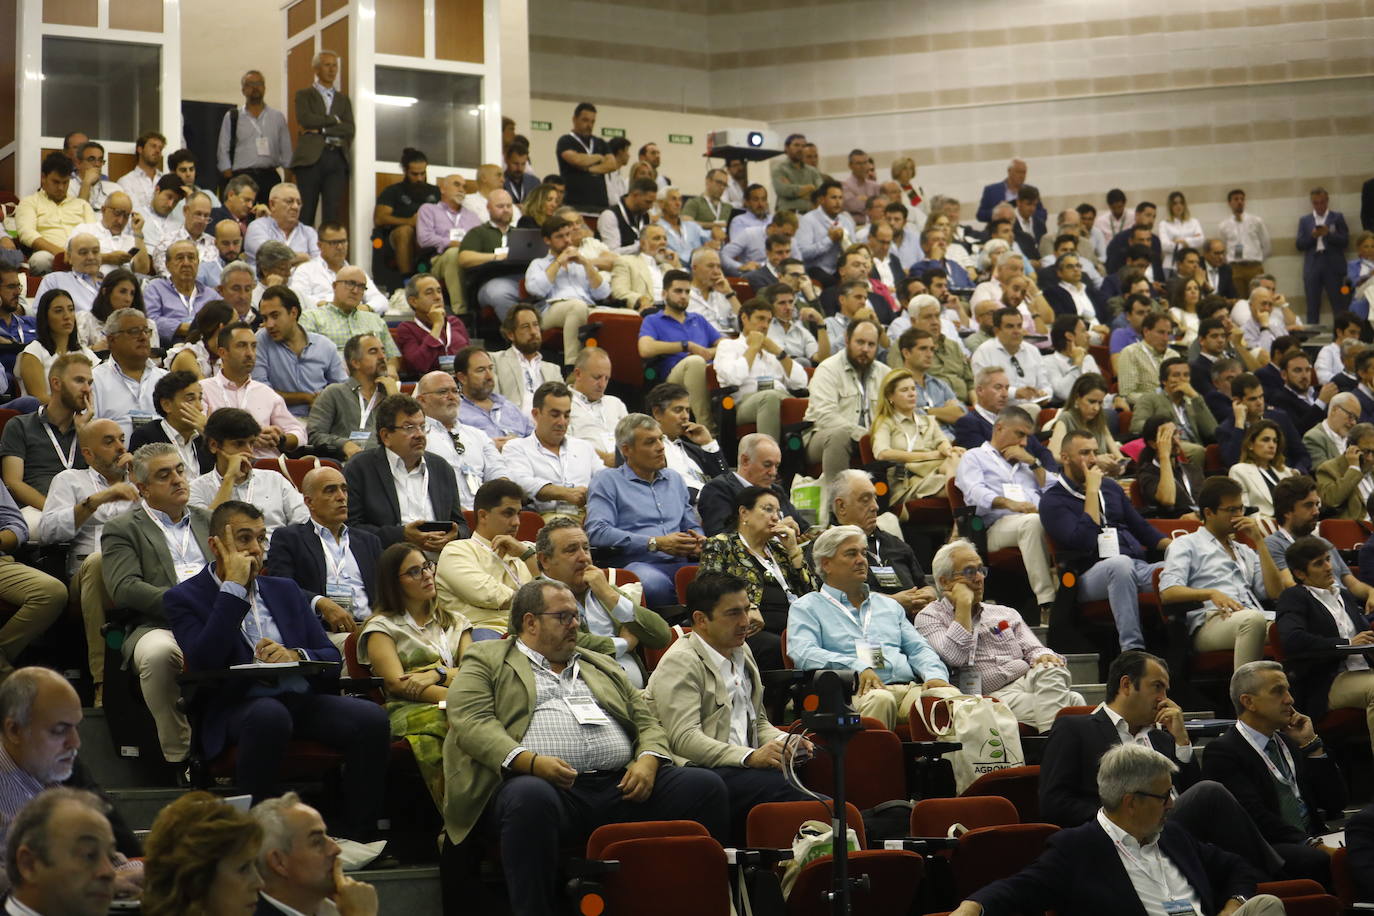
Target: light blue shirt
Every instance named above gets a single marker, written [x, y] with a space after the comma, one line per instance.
[687, 241]
[341, 568]
[80, 287]
[279, 367]
[169, 309]
[270, 126]
[504, 419]
[908, 250]
[258, 624]
[302, 239]
[1198, 560]
[624, 510]
[813, 239]
[984, 475]
[570, 282]
[822, 628]
[749, 245]
[209, 272]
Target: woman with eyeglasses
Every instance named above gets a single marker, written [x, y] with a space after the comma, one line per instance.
[1261, 466]
[56, 336]
[761, 548]
[414, 645]
[119, 290]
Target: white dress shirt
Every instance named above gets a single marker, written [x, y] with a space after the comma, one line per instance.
[734, 674]
[412, 489]
[1246, 239]
[313, 281]
[279, 500]
[680, 461]
[533, 465]
[58, 522]
[1184, 752]
[109, 242]
[478, 463]
[1345, 627]
[343, 577]
[1153, 875]
[595, 421]
[715, 308]
[733, 368]
[1025, 368]
[1329, 364]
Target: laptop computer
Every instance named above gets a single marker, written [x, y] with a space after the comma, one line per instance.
[525, 245]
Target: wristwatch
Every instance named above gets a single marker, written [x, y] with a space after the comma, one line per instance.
[443, 675]
[653, 545]
[684, 346]
[528, 553]
[1239, 898]
[1035, 465]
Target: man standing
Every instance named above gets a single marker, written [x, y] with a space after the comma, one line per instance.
[1322, 238]
[296, 363]
[1244, 235]
[253, 138]
[320, 163]
[844, 395]
[793, 180]
[584, 161]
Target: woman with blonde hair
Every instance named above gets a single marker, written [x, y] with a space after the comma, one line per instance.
[925, 456]
[539, 206]
[1179, 230]
[200, 859]
[904, 173]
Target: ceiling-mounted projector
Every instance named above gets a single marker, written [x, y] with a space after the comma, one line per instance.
[742, 143]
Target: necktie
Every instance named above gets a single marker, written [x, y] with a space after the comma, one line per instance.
[1276, 755]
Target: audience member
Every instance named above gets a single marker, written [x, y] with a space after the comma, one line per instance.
[158, 222]
[88, 181]
[254, 139]
[1322, 238]
[990, 392]
[519, 181]
[62, 854]
[708, 209]
[469, 451]
[584, 160]
[42, 444]
[760, 370]
[282, 224]
[232, 434]
[295, 362]
[432, 340]
[1021, 361]
[1244, 235]
[757, 253]
[342, 419]
[344, 317]
[172, 302]
[825, 232]
[234, 386]
[677, 344]
[299, 863]
[1138, 366]
[478, 576]
[711, 295]
[483, 245]
[122, 386]
[1178, 402]
[1261, 466]
[1346, 481]
[520, 369]
[789, 327]
[202, 858]
[1329, 438]
[619, 226]
[1168, 484]
[552, 468]
[794, 181]
[481, 407]
[844, 396]
[179, 403]
[46, 218]
[192, 355]
[195, 217]
[314, 281]
[907, 434]
[1070, 359]
[81, 280]
[594, 412]
[1248, 408]
[397, 212]
[566, 283]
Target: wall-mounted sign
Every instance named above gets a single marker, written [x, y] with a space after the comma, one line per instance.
[541, 125]
[685, 139]
[612, 132]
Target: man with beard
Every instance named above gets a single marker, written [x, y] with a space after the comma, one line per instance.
[253, 138]
[398, 208]
[480, 406]
[844, 394]
[566, 284]
[1297, 508]
[520, 370]
[30, 459]
[141, 181]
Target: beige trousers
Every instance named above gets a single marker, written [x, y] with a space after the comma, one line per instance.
[690, 373]
[157, 659]
[1354, 690]
[889, 704]
[1024, 531]
[765, 409]
[1037, 696]
[1244, 631]
[40, 598]
[445, 267]
[88, 587]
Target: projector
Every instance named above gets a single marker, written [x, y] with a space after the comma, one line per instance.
[743, 143]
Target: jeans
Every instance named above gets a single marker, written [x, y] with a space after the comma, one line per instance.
[1120, 580]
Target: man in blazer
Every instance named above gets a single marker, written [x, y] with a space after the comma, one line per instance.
[759, 461]
[1326, 439]
[336, 423]
[1315, 616]
[1137, 710]
[1322, 238]
[1339, 478]
[430, 486]
[321, 159]
[707, 686]
[510, 776]
[146, 551]
[519, 368]
[1111, 863]
[1177, 391]
[347, 577]
[632, 277]
[1005, 192]
[1275, 765]
[228, 614]
[990, 390]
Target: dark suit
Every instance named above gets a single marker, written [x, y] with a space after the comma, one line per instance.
[1323, 271]
[1118, 246]
[1219, 403]
[321, 158]
[1304, 415]
[1359, 844]
[1233, 762]
[995, 194]
[1226, 287]
[208, 623]
[1305, 625]
[375, 508]
[1029, 243]
[898, 274]
[296, 553]
[1270, 378]
[716, 504]
[971, 431]
[1062, 303]
[1367, 206]
[830, 305]
[153, 432]
[1294, 454]
[1081, 872]
[763, 276]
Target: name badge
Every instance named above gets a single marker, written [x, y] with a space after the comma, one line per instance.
[501, 252]
[359, 435]
[139, 417]
[470, 478]
[446, 362]
[1013, 492]
[863, 654]
[1178, 908]
[263, 147]
[766, 383]
[185, 571]
[886, 577]
[585, 711]
[1108, 545]
[969, 681]
[456, 235]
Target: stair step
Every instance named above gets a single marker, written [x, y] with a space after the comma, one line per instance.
[111, 769]
[414, 891]
[140, 806]
[1082, 666]
[1092, 693]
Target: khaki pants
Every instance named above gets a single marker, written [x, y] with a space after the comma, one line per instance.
[88, 587]
[1262, 905]
[1244, 631]
[889, 703]
[1354, 690]
[765, 409]
[40, 598]
[832, 448]
[1037, 696]
[445, 267]
[1023, 531]
[570, 315]
[690, 373]
[157, 659]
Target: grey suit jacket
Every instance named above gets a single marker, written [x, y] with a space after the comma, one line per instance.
[1319, 445]
[1157, 404]
[336, 413]
[137, 566]
[510, 378]
[311, 115]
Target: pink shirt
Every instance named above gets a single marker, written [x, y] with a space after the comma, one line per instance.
[266, 406]
[1001, 646]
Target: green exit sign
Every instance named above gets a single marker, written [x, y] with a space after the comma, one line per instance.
[541, 125]
[612, 132]
[680, 138]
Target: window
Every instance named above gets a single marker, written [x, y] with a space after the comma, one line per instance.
[438, 113]
[108, 89]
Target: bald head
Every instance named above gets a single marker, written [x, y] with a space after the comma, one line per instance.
[93, 432]
[437, 393]
[432, 381]
[319, 478]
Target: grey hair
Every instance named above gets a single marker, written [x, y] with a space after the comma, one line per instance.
[1011, 414]
[283, 186]
[1129, 768]
[543, 541]
[30, 826]
[1258, 280]
[319, 55]
[19, 693]
[1347, 345]
[145, 454]
[985, 373]
[1247, 679]
[1360, 431]
[750, 443]
[828, 544]
[112, 322]
[942, 566]
[586, 354]
[529, 599]
[630, 424]
[273, 255]
[846, 481]
[703, 250]
[271, 817]
[922, 302]
[201, 195]
[236, 267]
[413, 284]
[1344, 399]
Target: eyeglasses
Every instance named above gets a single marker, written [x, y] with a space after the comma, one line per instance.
[1170, 796]
[418, 572]
[409, 429]
[134, 332]
[1348, 412]
[351, 284]
[968, 572]
[566, 618]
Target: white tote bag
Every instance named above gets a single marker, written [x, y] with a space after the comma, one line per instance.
[814, 839]
[986, 729]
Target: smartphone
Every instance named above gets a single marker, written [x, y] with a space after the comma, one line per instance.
[133, 252]
[436, 527]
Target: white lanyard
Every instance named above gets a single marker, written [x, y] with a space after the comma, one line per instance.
[441, 647]
[508, 565]
[448, 336]
[533, 377]
[186, 300]
[137, 390]
[589, 146]
[867, 618]
[1163, 878]
[335, 562]
[1278, 774]
[70, 458]
[184, 548]
[771, 565]
[715, 211]
[257, 615]
[365, 410]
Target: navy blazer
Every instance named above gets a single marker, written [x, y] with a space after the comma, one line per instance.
[153, 432]
[971, 431]
[1359, 843]
[1272, 380]
[1337, 237]
[995, 194]
[1294, 454]
[1075, 534]
[296, 553]
[1080, 874]
[1068, 770]
[1304, 415]
[206, 622]
[716, 503]
[1029, 244]
[1062, 303]
[373, 505]
[1226, 287]
[1233, 762]
[1118, 246]
[758, 279]
[1305, 625]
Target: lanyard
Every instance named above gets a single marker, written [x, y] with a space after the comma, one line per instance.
[508, 565]
[715, 211]
[863, 398]
[1276, 772]
[334, 562]
[516, 191]
[1163, 877]
[184, 548]
[867, 618]
[448, 336]
[441, 648]
[589, 147]
[771, 565]
[70, 458]
[365, 410]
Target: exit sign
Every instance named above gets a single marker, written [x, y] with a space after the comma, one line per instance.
[541, 125]
[680, 138]
[612, 132]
